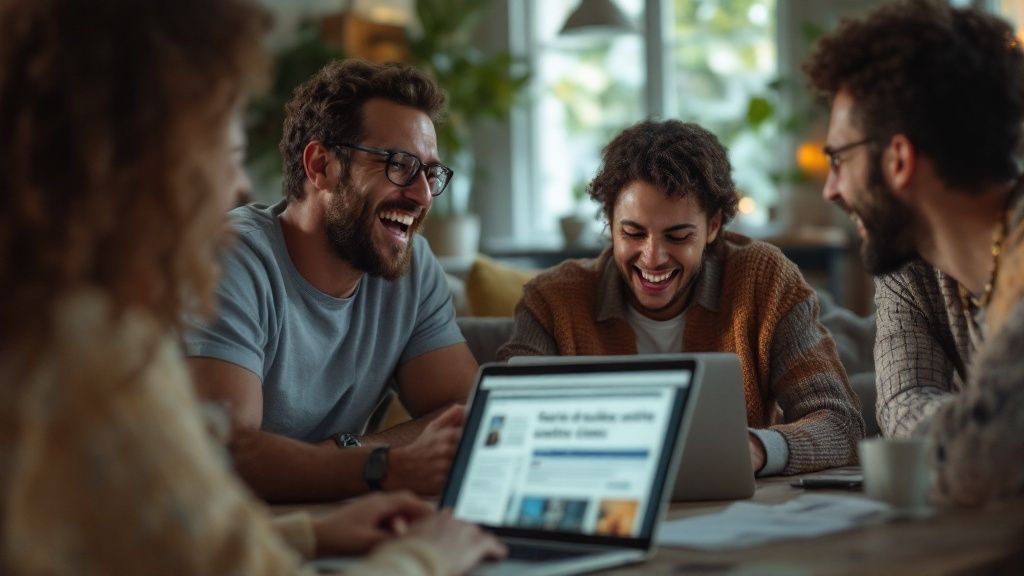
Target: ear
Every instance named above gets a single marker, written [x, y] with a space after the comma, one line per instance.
[898, 165]
[714, 226]
[316, 161]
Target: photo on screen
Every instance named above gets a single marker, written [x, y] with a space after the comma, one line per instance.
[561, 514]
[616, 517]
[494, 430]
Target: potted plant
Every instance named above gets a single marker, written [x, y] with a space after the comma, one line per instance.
[293, 65]
[577, 223]
[479, 86]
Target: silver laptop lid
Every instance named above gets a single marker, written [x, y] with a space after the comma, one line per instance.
[571, 453]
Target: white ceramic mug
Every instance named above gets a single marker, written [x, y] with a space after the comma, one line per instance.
[896, 472]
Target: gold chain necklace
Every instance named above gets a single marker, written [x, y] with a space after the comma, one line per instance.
[966, 298]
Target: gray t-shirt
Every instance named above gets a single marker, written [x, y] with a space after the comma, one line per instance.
[324, 361]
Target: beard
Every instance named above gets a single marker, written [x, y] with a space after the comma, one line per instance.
[889, 240]
[350, 222]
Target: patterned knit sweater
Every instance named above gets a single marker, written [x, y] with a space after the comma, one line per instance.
[749, 300]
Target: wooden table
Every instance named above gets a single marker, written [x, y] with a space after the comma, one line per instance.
[953, 541]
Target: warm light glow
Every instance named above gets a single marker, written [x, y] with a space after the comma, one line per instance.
[747, 205]
[385, 12]
[811, 160]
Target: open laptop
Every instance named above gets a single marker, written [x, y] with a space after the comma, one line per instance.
[715, 463]
[570, 464]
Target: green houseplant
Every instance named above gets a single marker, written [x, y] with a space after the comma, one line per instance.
[293, 65]
[479, 85]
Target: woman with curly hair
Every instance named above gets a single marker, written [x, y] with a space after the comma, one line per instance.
[116, 170]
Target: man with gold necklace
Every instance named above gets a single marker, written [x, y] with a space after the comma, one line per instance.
[927, 113]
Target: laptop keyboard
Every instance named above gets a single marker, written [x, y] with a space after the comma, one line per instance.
[534, 553]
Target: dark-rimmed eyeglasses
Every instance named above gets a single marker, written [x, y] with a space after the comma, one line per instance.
[834, 154]
[403, 167]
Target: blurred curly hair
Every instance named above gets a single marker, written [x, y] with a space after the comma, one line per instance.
[109, 111]
[681, 158]
[329, 106]
[951, 80]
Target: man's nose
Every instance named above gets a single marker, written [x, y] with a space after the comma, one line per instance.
[419, 190]
[830, 192]
[653, 253]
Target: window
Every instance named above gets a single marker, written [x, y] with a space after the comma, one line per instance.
[587, 90]
[722, 61]
[710, 60]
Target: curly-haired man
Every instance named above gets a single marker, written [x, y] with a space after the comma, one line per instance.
[927, 112]
[673, 280]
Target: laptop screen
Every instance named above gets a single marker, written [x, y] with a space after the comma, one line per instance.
[579, 451]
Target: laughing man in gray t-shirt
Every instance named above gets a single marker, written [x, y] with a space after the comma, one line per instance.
[329, 294]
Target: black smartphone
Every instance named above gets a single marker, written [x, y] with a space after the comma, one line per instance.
[847, 481]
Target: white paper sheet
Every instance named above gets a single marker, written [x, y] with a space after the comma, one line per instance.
[747, 524]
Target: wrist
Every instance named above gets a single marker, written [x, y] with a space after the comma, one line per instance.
[392, 480]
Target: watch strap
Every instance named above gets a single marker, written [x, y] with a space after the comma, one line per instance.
[376, 467]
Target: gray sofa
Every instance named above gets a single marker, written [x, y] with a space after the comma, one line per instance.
[853, 334]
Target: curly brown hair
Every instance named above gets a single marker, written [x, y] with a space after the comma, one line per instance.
[681, 158]
[950, 79]
[329, 107]
[108, 111]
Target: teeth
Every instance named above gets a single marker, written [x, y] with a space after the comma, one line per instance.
[656, 278]
[396, 216]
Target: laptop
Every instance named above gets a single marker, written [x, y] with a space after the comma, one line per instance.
[715, 463]
[570, 464]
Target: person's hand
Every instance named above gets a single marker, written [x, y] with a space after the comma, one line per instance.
[358, 526]
[422, 466]
[460, 544]
[757, 453]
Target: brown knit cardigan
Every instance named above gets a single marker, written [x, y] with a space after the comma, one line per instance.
[749, 300]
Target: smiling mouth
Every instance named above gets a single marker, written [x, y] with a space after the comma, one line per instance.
[655, 280]
[397, 222]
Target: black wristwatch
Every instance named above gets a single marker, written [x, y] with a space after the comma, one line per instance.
[346, 440]
[376, 467]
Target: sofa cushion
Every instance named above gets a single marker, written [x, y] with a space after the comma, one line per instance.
[493, 289]
[485, 335]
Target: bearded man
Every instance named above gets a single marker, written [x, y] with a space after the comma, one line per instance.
[330, 293]
[924, 139]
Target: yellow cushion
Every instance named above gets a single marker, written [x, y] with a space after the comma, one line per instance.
[493, 289]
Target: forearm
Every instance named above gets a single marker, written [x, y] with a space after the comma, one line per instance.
[280, 469]
[823, 420]
[903, 413]
[915, 373]
[401, 434]
[528, 339]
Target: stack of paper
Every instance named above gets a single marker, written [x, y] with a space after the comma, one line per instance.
[747, 524]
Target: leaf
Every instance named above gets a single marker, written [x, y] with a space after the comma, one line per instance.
[759, 110]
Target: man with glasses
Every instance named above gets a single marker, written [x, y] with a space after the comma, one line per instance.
[330, 293]
[926, 124]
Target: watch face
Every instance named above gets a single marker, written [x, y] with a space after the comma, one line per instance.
[347, 440]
